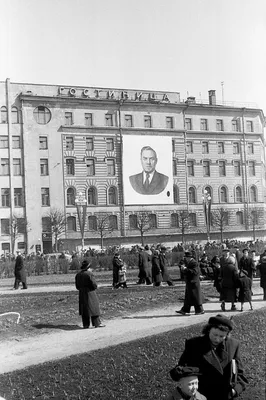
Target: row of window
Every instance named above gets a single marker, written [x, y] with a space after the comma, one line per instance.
[89, 143]
[204, 126]
[6, 228]
[223, 194]
[17, 166]
[206, 165]
[16, 142]
[220, 147]
[4, 115]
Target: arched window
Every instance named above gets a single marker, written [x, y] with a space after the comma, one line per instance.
[70, 196]
[238, 197]
[14, 115]
[71, 224]
[92, 223]
[133, 221]
[176, 194]
[208, 190]
[174, 220]
[253, 194]
[223, 195]
[153, 220]
[92, 196]
[192, 195]
[239, 218]
[113, 222]
[112, 196]
[3, 115]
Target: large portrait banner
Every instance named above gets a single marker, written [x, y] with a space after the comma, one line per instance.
[147, 170]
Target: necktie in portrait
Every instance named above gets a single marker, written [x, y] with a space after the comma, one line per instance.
[147, 183]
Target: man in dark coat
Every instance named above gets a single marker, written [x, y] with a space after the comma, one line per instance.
[164, 266]
[155, 269]
[246, 263]
[193, 295]
[20, 273]
[229, 278]
[117, 265]
[217, 356]
[89, 308]
[262, 270]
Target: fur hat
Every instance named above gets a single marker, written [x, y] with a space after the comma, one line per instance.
[180, 372]
[221, 320]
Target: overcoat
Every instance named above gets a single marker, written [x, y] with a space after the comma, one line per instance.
[88, 299]
[155, 269]
[157, 185]
[117, 265]
[217, 378]
[193, 294]
[245, 284]
[229, 277]
[163, 266]
[248, 265]
[146, 263]
[20, 272]
[262, 269]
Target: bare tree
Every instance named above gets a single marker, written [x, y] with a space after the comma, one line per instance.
[220, 219]
[56, 224]
[143, 223]
[255, 215]
[17, 226]
[103, 226]
[183, 222]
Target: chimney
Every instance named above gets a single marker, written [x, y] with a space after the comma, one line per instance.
[212, 97]
[191, 100]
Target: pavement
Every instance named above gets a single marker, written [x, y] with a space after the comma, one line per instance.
[68, 340]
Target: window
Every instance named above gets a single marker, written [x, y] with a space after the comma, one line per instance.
[223, 195]
[16, 142]
[192, 195]
[112, 198]
[44, 166]
[5, 197]
[188, 124]
[203, 124]
[205, 147]
[128, 121]
[253, 194]
[222, 171]
[18, 197]
[249, 126]
[189, 147]
[254, 217]
[113, 222]
[3, 115]
[69, 143]
[46, 224]
[42, 115]
[176, 194]
[236, 148]
[206, 168]
[92, 196]
[5, 226]
[21, 225]
[153, 221]
[174, 220]
[68, 118]
[45, 195]
[92, 223]
[71, 196]
[70, 166]
[225, 217]
[43, 143]
[219, 125]
[109, 119]
[71, 224]
[14, 115]
[169, 122]
[147, 121]
[133, 221]
[238, 195]
[237, 169]
[3, 142]
[220, 147]
[17, 167]
[251, 168]
[110, 167]
[21, 245]
[235, 125]
[192, 219]
[88, 119]
[250, 148]
[239, 218]
[4, 166]
[174, 167]
[90, 166]
[173, 145]
[6, 247]
[110, 144]
[89, 143]
[190, 168]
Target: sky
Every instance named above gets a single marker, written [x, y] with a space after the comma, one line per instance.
[187, 46]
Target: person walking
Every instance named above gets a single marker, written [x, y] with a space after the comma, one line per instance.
[245, 293]
[164, 266]
[262, 270]
[229, 277]
[193, 295]
[155, 269]
[89, 308]
[247, 264]
[20, 273]
[117, 265]
[217, 355]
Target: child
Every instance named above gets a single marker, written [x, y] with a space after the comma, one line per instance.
[187, 387]
[122, 280]
[245, 293]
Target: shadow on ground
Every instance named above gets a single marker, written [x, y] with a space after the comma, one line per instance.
[60, 326]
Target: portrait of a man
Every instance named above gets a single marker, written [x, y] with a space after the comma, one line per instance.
[149, 181]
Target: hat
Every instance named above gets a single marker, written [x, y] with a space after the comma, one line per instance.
[221, 320]
[226, 249]
[180, 372]
[163, 248]
[188, 254]
[85, 264]
[245, 250]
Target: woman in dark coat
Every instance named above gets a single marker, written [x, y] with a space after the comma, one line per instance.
[262, 270]
[117, 265]
[163, 267]
[89, 308]
[216, 267]
[155, 269]
[20, 273]
[217, 356]
[229, 278]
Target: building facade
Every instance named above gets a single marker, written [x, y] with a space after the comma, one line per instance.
[59, 143]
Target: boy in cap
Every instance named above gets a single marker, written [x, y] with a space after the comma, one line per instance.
[187, 387]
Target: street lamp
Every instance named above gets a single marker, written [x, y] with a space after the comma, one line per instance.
[206, 200]
[81, 204]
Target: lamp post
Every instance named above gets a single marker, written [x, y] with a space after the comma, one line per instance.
[81, 204]
[206, 200]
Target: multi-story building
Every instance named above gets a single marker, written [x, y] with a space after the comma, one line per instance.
[57, 143]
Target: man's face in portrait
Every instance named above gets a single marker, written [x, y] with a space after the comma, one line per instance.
[148, 161]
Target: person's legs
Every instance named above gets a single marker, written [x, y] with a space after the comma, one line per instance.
[264, 293]
[170, 283]
[85, 321]
[16, 283]
[24, 284]
[148, 281]
[250, 304]
[242, 306]
[96, 322]
[233, 307]
[199, 309]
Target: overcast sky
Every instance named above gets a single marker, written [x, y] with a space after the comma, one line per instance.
[185, 46]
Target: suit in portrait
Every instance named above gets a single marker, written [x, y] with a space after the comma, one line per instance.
[157, 185]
